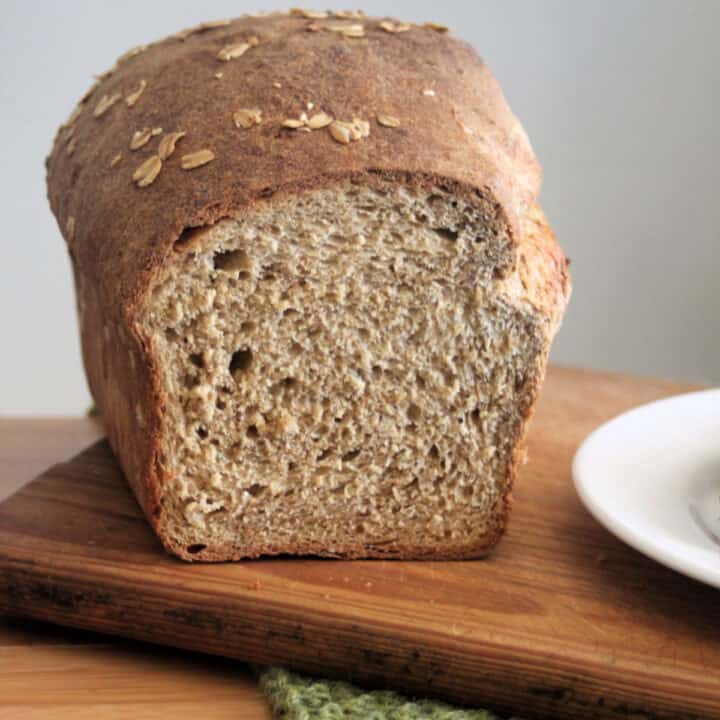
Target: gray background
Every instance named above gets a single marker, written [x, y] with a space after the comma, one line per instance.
[621, 101]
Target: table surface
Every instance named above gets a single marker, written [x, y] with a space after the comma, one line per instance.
[51, 672]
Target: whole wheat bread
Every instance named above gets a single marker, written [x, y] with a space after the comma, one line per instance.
[316, 292]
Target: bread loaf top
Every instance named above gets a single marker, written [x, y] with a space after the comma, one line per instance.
[455, 129]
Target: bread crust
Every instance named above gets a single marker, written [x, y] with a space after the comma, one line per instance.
[461, 137]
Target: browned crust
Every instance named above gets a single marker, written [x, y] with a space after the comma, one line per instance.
[463, 138]
[396, 551]
[542, 269]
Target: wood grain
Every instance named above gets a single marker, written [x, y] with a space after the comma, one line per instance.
[562, 621]
[121, 680]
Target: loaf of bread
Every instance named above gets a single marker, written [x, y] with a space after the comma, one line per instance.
[316, 293]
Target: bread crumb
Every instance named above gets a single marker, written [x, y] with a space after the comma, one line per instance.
[246, 470]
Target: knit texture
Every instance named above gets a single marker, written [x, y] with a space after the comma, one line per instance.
[295, 697]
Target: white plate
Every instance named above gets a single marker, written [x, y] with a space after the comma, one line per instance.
[652, 477]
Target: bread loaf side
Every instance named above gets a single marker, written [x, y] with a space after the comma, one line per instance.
[316, 292]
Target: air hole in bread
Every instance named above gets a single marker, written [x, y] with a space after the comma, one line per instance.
[196, 548]
[252, 432]
[247, 326]
[283, 386]
[197, 360]
[256, 489]
[325, 453]
[434, 453]
[188, 237]
[447, 233]
[350, 456]
[232, 260]
[201, 432]
[240, 362]
[414, 412]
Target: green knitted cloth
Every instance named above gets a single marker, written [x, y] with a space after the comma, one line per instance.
[294, 697]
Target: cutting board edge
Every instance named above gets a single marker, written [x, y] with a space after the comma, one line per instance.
[526, 692]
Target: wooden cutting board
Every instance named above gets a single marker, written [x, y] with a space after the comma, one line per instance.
[563, 621]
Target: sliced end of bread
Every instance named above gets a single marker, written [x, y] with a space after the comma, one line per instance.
[345, 373]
